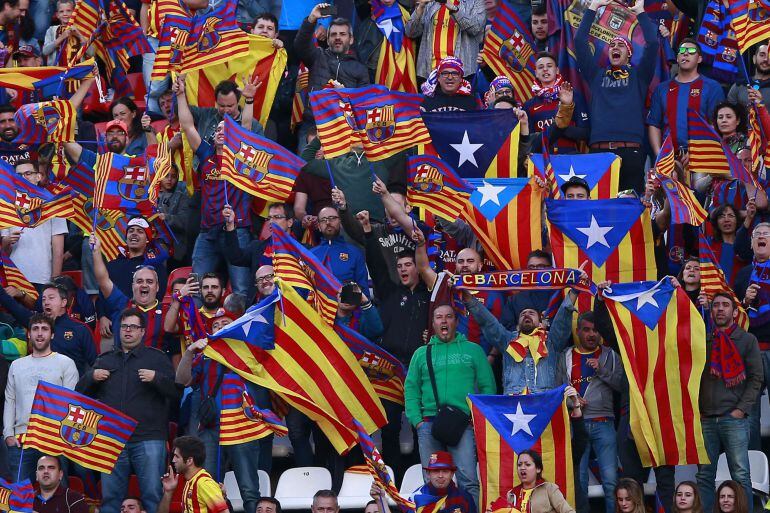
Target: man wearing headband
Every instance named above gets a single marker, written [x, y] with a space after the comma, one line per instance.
[673, 98]
[500, 87]
[552, 105]
[619, 89]
[446, 89]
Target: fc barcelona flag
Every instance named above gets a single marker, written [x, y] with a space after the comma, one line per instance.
[26, 205]
[17, 497]
[750, 22]
[661, 334]
[712, 279]
[11, 276]
[282, 344]
[52, 121]
[509, 51]
[262, 62]
[240, 421]
[301, 269]
[436, 187]
[708, 154]
[66, 423]
[257, 165]
[188, 44]
[384, 122]
[33, 78]
[477, 144]
[123, 183]
[504, 214]
[506, 425]
[685, 208]
[600, 170]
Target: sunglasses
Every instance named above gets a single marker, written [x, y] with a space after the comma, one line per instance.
[691, 51]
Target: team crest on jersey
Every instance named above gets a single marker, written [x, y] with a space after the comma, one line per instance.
[694, 92]
[428, 179]
[344, 257]
[80, 426]
[209, 38]
[252, 162]
[380, 123]
[133, 185]
[69, 335]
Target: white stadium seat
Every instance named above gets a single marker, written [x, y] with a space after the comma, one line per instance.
[296, 486]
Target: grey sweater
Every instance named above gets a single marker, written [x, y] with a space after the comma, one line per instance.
[23, 377]
[716, 399]
[608, 378]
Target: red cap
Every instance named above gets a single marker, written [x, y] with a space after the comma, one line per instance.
[440, 460]
[116, 123]
[219, 314]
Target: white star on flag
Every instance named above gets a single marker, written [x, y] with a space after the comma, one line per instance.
[387, 27]
[466, 149]
[490, 192]
[595, 233]
[520, 421]
[571, 174]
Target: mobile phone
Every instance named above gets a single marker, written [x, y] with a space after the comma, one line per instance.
[351, 294]
[197, 280]
[329, 10]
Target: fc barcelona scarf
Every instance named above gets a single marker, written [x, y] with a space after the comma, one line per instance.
[445, 33]
[718, 42]
[533, 343]
[726, 362]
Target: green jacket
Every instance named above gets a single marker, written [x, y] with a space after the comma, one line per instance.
[460, 367]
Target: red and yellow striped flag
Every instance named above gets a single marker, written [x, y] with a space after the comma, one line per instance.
[290, 350]
[11, 276]
[749, 22]
[712, 279]
[240, 421]
[395, 64]
[300, 90]
[499, 438]
[661, 334]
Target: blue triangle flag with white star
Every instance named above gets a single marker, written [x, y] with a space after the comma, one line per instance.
[520, 419]
[646, 300]
[491, 195]
[597, 227]
[256, 326]
[470, 141]
[591, 167]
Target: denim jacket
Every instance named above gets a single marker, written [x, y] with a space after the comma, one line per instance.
[525, 374]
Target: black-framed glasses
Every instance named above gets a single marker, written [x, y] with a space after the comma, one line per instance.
[130, 327]
[328, 219]
[264, 279]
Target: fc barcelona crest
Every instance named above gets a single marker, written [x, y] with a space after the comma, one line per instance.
[617, 19]
[515, 51]
[347, 112]
[248, 408]
[80, 426]
[251, 161]
[729, 54]
[209, 38]
[28, 208]
[133, 185]
[47, 117]
[428, 179]
[380, 123]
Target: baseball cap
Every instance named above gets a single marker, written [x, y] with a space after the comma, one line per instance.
[26, 51]
[141, 223]
[575, 181]
[440, 460]
[116, 123]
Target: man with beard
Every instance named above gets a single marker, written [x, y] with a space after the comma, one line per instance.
[673, 98]
[539, 27]
[201, 492]
[729, 389]
[42, 364]
[54, 496]
[596, 372]
[530, 353]
[144, 297]
[345, 260]
[739, 92]
[619, 87]
[10, 151]
[71, 338]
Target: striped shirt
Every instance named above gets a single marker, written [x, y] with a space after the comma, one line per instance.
[203, 495]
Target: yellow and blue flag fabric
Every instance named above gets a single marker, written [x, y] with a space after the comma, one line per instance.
[709, 154]
[17, 497]
[27, 205]
[383, 122]
[600, 170]
[661, 334]
[52, 121]
[436, 187]
[258, 165]
[282, 344]
[66, 423]
[477, 144]
[240, 420]
[11, 276]
[506, 425]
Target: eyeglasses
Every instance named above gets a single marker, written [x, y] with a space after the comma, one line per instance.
[447, 74]
[328, 219]
[264, 279]
[686, 49]
[726, 215]
[763, 234]
[276, 217]
[27, 174]
[130, 327]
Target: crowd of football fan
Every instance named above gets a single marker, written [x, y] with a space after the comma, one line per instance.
[128, 308]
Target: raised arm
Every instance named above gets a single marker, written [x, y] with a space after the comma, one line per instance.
[186, 120]
[428, 275]
[100, 270]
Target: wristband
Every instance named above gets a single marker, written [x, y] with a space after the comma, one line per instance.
[249, 102]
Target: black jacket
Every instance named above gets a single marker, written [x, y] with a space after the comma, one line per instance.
[325, 65]
[147, 403]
